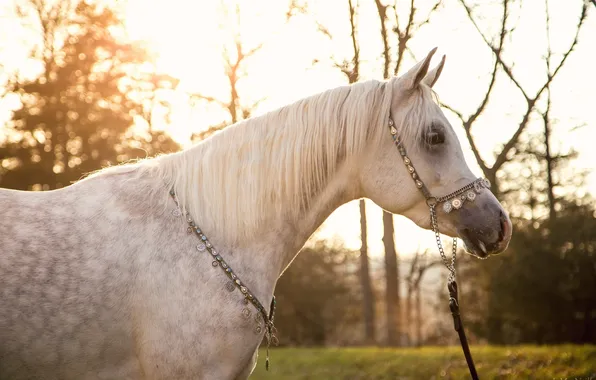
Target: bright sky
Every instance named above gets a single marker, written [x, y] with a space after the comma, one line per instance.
[187, 38]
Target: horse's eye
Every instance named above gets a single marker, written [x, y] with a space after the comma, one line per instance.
[435, 137]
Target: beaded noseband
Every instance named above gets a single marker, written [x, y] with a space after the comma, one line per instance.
[452, 201]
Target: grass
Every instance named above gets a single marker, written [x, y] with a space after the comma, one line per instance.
[492, 362]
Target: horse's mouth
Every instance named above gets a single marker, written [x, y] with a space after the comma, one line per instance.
[477, 247]
[478, 250]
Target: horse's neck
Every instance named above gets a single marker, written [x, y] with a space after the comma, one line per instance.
[285, 229]
[339, 190]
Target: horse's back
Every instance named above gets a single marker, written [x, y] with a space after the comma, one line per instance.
[61, 288]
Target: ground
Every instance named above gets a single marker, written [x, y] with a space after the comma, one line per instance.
[566, 362]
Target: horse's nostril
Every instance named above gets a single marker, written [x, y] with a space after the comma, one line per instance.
[503, 226]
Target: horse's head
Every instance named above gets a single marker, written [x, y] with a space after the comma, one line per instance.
[428, 162]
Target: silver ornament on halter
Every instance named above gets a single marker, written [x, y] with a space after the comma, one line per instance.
[456, 200]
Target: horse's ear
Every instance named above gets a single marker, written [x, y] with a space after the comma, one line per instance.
[431, 78]
[417, 73]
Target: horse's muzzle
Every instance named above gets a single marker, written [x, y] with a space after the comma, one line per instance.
[485, 235]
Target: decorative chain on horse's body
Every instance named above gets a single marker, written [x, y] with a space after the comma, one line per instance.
[249, 297]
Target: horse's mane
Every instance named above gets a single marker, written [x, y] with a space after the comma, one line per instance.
[280, 158]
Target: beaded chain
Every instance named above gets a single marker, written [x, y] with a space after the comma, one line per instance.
[235, 282]
[452, 201]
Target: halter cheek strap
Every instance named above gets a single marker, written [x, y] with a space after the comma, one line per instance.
[452, 201]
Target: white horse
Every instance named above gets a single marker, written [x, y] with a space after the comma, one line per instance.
[101, 280]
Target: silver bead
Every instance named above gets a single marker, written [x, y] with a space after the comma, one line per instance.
[246, 313]
[471, 196]
[447, 207]
[477, 187]
[457, 203]
[393, 131]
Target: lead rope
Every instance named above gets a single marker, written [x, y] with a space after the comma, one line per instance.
[271, 332]
[452, 288]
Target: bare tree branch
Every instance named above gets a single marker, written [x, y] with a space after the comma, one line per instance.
[548, 157]
[494, 49]
[355, 46]
[407, 34]
[502, 35]
[468, 123]
[195, 96]
[456, 112]
[404, 35]
[382, 11]
[295, 8]
[427, 20]
[531, 100]
[323, 29]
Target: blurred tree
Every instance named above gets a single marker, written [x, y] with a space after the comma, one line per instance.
[420, 263]
[394, 28]
[350, 67]
[524, 158]
[532, 98]
[319, 297]
[236, 54]
[77, 112]
[544, 288]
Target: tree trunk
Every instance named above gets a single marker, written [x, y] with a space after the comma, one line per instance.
[549, 161]
[418, 315]
[368, 301]
[391, 281]
[408, 317]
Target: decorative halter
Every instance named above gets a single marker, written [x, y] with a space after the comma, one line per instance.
[452, 201]
[234, 283]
